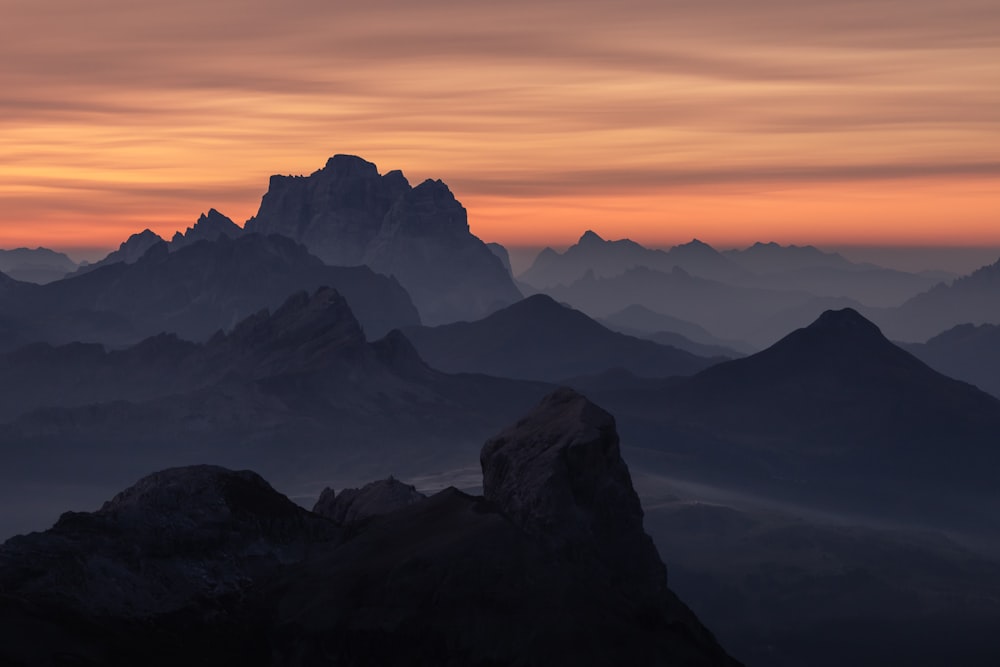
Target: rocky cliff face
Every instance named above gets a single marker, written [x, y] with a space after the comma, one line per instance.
[201, 564]
[349, 214]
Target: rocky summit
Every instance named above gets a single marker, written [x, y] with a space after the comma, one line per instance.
[348, 214]
[202, 565]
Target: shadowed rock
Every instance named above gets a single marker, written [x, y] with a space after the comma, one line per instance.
[373, 499]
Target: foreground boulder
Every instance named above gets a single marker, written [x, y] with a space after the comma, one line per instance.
[200, 564]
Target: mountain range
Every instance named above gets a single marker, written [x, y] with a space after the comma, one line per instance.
[194, 292]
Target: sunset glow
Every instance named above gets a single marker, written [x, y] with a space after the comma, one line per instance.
[732, 122]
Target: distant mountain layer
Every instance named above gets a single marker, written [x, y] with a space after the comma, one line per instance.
[349, 214]
[286, 391]
[539, 339]
[604, 258]
[642, 322]
[201, 564]
[968, 352]
[35, 265]
[833, 410]
[970, 299]
[195, 291]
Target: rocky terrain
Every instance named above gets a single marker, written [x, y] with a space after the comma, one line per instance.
[202, 564]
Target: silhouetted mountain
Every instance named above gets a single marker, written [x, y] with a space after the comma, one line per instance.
[611, 258]
[540, 339]
[871, 286]
[727, 311]
[771, 257]
[196, 291]
[971, 299]
[349, 214]
[833, 410]
[209, 227]
[642, 322]
[201, 564]
[967, 352]
[35, 265]
[129, 252]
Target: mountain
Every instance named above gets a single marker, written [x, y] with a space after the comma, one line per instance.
[874, 286]
[642, 322]
[195, 291]
[129, 252]
[832, 412]
[728, 311]
[968, 352]
[348, 214]
[610, 258]
[201, 564]
[35, 265]
[209, 227]
[772, 257]
[539, 339]
[974, 298]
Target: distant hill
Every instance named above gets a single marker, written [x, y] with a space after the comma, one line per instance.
[348, 214]
[772, 257]
[604, 258]
[968, 352]
[540, 339]
[35, 265]
[196, 291]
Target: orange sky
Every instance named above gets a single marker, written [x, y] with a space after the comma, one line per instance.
[803, 122]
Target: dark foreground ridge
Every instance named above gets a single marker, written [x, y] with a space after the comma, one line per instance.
[203, 565]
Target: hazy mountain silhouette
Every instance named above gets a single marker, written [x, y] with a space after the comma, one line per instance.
[349, 214]
[203, 564]
[35, 265]
[833, 410]
[129, 252]
[871, 286]
[539, 339]
[209, 227]
[642, 322]
[726, 310]
[968, 352]
[974, 298]
[610, 258]
[196, 291]
[763, 258]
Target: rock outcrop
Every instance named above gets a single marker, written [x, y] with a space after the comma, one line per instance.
[201, 564]
[373, 499]
[558, 473]
[349, 214]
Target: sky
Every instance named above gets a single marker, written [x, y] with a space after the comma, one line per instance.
[847, 123]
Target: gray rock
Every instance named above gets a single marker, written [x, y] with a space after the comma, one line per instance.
[373, 499]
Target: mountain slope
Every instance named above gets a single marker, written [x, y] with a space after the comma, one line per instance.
[832, 410]
[539, 339]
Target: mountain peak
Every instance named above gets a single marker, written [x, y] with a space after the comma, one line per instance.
[846, 321]
[590, 237]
